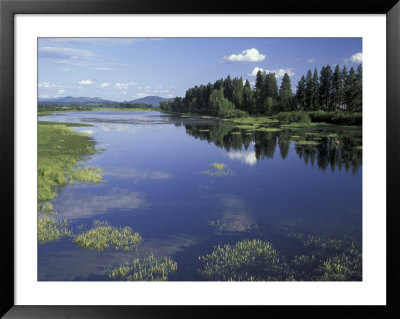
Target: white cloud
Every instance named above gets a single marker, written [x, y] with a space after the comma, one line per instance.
[278, 72]
[86, 82]
[356, 58]
[247, 157]
[249, 55]
[103, 69]
[65, 53]
[44, 96]
[121, 86]
[46, 85]
[133, 83]
[105, 84]
[61, 91]
[255, 70]
[310, 60]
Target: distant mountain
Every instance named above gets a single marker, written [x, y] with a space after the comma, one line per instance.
[76, 100]
[154, 101]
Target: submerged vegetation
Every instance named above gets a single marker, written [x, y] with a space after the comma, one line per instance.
[103, 236]
[148, 269]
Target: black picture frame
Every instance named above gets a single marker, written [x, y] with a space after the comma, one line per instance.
[8, 8]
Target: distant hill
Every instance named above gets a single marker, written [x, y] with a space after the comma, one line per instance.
[154, 101]
[76, 100]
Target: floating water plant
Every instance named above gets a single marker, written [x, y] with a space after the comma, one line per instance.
[268, 129]
[50, 230]
[307, 142]
[220, 169]
[103, 236]
[148, 269]
[247, 260]
[219, 166]
[343, 267]
[236, 226]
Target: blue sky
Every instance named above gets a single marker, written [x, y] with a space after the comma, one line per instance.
[123, 69]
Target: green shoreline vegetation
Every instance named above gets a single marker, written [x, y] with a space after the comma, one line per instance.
[60, 151]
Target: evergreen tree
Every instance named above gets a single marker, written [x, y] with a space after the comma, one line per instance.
[358, 90]
[301, 92]
[260, 95]
[350, 88]
[286, 94]
[315, 91]
[248, 99]
[309, 92]
[325, 87]
[337, 87]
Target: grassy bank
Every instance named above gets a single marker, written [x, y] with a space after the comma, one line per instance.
[59, 152]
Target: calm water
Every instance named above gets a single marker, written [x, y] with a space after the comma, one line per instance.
[158, 180]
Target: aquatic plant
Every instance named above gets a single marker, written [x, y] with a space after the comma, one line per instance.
[218, 166]
[103, 236]
[148, 269]
[268, 129]
[342, 267]
[329, 259]
[49, 229]
[236, 226]
[307, 142]
[246, 260]
[220, 169]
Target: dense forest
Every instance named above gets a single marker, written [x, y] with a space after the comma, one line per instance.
[327, 90]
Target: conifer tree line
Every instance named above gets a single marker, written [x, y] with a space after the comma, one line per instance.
[325, 90]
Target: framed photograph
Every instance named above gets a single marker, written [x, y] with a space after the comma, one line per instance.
[186, 158]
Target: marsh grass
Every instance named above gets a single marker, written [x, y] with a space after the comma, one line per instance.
[49, 229]
[148, 269]
[247, 260]
[103, 236]
[220, 169]
[59, 152]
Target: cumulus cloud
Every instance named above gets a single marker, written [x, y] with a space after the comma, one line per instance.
[249, 55]
[104, 84]
[121, 86]
[356, 58]
[278, 72]
[310, 60]
[86, 82]
[61, 91]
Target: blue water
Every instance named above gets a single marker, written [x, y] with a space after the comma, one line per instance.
[154, 181]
